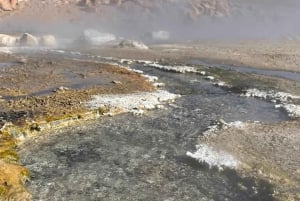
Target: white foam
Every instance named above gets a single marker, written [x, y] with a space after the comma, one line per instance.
[220, 84]
[282, 97]
[176, 69]
[270, 95]
[132, 102]
[144, 62]
[236, 124]
[150, 78]
[213, 157]
[221, 124]
[292, 110]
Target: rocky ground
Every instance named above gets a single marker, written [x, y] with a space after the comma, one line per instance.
[266, 54]
[64, 84]
[43, 89]
[46, 88]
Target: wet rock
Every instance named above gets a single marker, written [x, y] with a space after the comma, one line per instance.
[158, 84]
[220, 84]
[210, 77]
[61, 89]
[22, 60]
[94, 37]
[133, 44]
[13, 116]
[28, 40]
[150, 78]
[202, 73]
[144, 62]
[48, 40]
[126, 61]
[116, 82]
[7, 40]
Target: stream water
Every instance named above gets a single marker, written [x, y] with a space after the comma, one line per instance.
[245, 69]
[129, 157]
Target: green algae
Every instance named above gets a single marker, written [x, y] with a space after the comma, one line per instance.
[9, 155]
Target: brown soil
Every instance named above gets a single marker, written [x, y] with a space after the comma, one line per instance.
[54, 87]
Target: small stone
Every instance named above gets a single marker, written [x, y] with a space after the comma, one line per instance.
[22, 60]
[116, 82]
[133, 44]
[138, 112]
[144, 62]
[126, 61]
[159, 84]
[61, 89]
[202, 73]
[278, 106]
[220, 84]
[210, 77]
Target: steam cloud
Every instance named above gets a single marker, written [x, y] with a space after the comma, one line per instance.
[256, 19]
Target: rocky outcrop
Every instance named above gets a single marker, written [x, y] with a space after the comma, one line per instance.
[194, 8]
[8, 5]
[133, 44]
[219, 8]
[28, 40]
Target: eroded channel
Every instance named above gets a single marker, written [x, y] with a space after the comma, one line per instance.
[129, 157]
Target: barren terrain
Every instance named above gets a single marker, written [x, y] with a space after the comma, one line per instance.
[42, 92]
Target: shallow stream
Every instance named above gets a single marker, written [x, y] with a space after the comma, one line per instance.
[129, 157]
[246, 69]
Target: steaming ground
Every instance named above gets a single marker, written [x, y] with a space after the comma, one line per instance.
[153, 157]
[144, 157]
[264, 19]
[126, 157]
